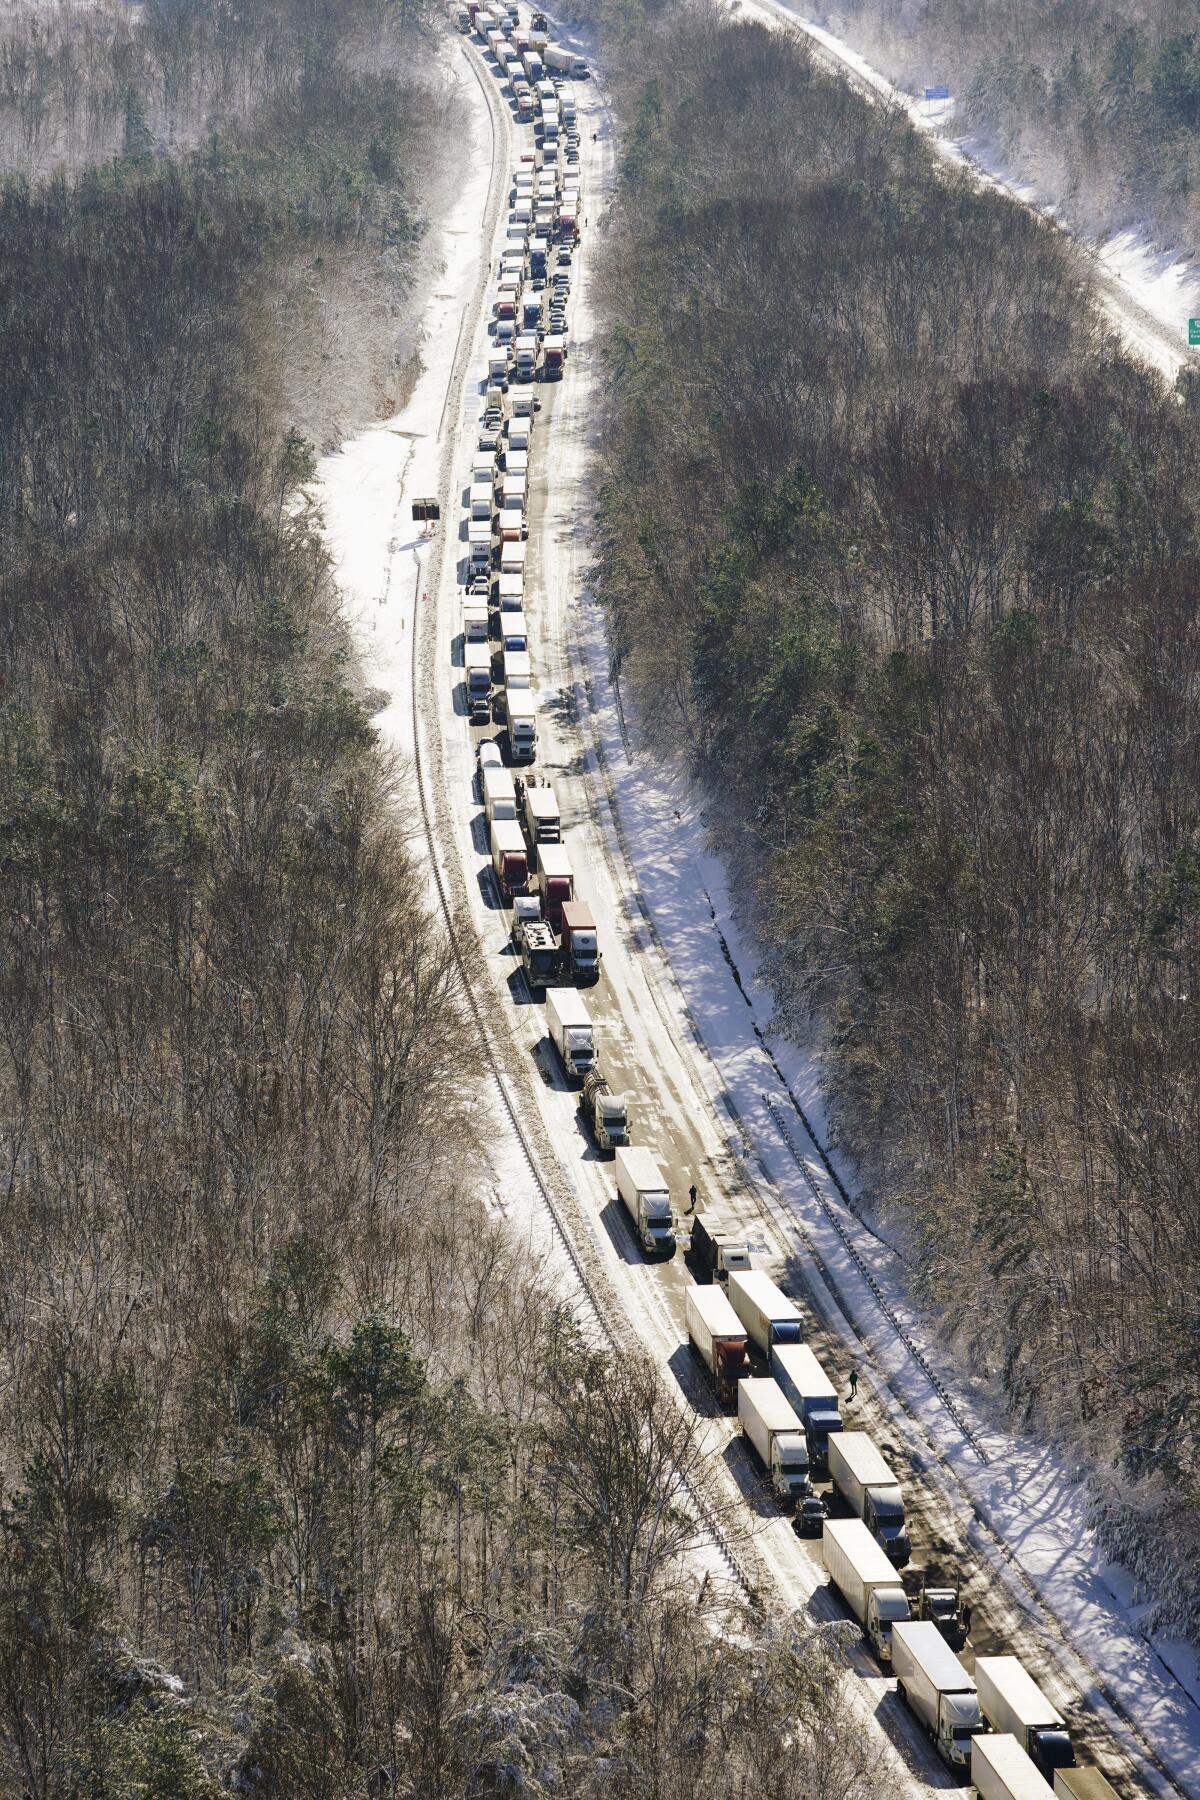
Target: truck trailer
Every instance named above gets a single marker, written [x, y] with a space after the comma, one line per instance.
[1080, 1783]
[1001, 1770]
[867, 1485]
[510, 859]
[1013, 1702]
[643, 1191]
[556, 883]
[812, 1394]
[718, 1337]
[543, 821]
[499, 795]
[570, 1030]
[936, 1687]
[580, 941]
[768, 1315]
[522, 724]
[866, 1580]
[718, 1250]
[775, 1431]
[606, 1114]
[477, 664]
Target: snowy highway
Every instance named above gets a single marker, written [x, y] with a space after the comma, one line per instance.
[676, 1028]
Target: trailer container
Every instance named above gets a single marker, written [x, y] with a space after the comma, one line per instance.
[867, 1485]
[934, 1684]
[510, 859]
[776, 1433]
[1080, 1783]
[514, 633]
[866, 1580]
[768, 1315]
[477, 663]
[570, 1031]
[1001, 1770]
[718, 1337]
[643, 1191]
[543, 822]
[812, 1394]
[522, 725]
[510, 593]
[475, 622]
[518, 670]
[1013, 1702]
[717, 1249]
[499, 794]
[556, 882]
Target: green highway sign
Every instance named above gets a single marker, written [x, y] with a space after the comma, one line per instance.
[1194, 331]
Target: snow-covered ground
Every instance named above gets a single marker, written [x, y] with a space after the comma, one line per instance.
[1149, 293]
[690, 1039]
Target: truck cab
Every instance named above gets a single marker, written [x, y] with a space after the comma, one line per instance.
[883, 1516]
[581, 942]
[939, 1605]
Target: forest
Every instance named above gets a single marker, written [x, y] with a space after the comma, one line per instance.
[310, 1488]
[899, 552]
[1097, 103]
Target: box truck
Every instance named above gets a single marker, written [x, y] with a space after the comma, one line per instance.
[866, 1483]
[1013, 1702]
[775, 1431]
[768, 1315]
[718, 1337]
[538, 950]
[510, 860]
[1001, 1770]
[717, 1249]
[510, 593]
[936, 1687]
[643, 1191]
[606, 1114]
[866, 1580]
[812, 1394]
[570, 1030]
[580, 941]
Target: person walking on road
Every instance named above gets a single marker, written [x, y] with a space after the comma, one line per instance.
[853, 1385]
[966, 1619]
[692, 1198]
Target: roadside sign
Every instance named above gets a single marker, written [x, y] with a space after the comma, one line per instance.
[941, 92]
[1194, 331]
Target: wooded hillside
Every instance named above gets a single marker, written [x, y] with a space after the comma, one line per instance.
[1098, 103]
[900, 551]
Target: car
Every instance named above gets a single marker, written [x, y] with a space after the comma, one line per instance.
[809, 1521]
[488, 755]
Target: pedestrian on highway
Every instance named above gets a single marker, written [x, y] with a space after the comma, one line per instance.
[853, 1385]
[966, 1616]
[692, 1198]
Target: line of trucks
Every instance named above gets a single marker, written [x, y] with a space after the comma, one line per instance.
[991, 1725]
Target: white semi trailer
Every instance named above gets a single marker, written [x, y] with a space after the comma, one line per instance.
[936, 1687]
[866, 1483]
[776, 1433]
[1001, 1770]
[644, 1193]
[1013, 1702]
[866, 1580]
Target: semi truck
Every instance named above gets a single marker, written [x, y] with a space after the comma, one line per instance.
[643, 1191]
[937, 1688]
[477, 664]
[570, 1030]
[499, 795]
[580, 941]
[866, 1580]
[718, 1337]
[556, 883]
[606, 1114]
[554, 355]
[717, 1250]
[522, 725]
[768, 1315]
[940, 1605]
[1013, 1702]
[776, 1433]
[1001, 1770]
[538, 950]
[1080, 1783]
[543, 821]
[510, 860]
[866, 1483]
[812, 1394]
